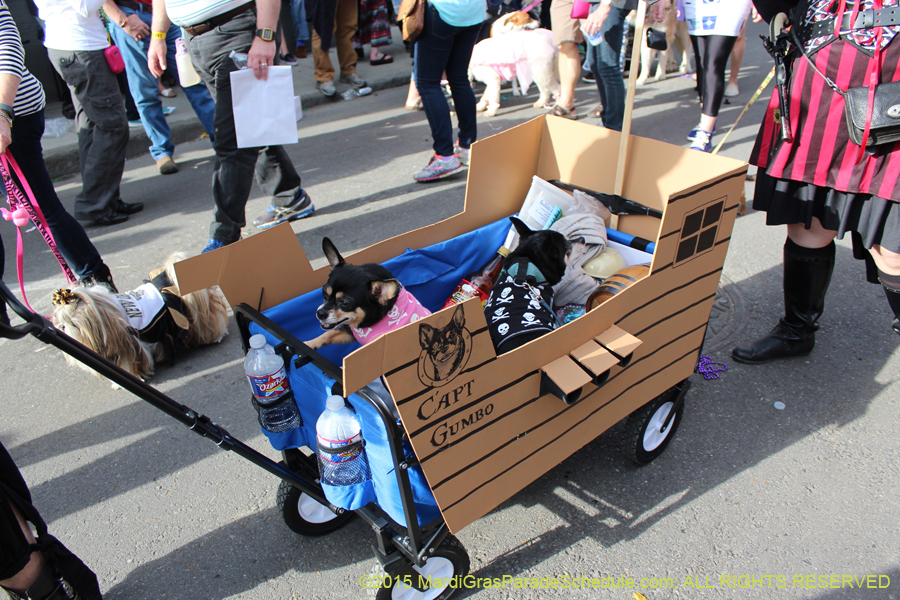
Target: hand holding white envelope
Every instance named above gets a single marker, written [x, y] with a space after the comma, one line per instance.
[264, 111]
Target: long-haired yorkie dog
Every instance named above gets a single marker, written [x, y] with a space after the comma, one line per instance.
[139, 328]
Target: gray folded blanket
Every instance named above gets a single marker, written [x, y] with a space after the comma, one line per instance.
[576, 285]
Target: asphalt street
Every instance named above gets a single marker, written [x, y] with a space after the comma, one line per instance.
[750, 500]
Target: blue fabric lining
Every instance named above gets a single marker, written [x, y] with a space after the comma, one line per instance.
[430, 274]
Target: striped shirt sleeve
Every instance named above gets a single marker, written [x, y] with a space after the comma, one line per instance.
[30, 95]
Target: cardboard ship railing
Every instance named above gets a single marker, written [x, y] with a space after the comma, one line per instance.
[484, 426]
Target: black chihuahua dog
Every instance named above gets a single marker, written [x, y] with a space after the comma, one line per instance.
[362, 302]
[519, 308]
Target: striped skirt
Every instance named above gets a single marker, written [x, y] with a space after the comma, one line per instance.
[817, 174]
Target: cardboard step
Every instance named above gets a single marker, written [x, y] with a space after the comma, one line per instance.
[596, 360]
[620, 343]
[564, 378]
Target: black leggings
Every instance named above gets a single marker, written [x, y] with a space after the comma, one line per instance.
[711, 53]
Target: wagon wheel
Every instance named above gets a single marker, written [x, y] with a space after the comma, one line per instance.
[306, 516]
[449, 560]
[644, 438]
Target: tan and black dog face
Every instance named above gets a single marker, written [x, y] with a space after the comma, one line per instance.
[444, 350]
[355, 295]
[514, 21]
[443, 344]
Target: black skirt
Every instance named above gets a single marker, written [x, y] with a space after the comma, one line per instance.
[871, 220]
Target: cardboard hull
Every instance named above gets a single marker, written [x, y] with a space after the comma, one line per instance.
[479, 423]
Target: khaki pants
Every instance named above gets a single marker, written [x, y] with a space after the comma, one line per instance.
[346, 18]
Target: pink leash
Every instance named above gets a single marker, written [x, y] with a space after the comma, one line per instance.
[24, 208]
[530, 6]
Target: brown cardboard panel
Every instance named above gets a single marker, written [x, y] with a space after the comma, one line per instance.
[566, 374]
[618, 341]
[444, 459]
[594, 358]
[246, 272]
[363, 366]
[486, 466]
[489, 489]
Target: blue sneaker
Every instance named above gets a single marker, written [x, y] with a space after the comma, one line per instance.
[213, 245]
[275, 215]
[702, 141]
[693, 132]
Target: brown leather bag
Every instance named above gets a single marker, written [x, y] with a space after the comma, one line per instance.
[411, 16]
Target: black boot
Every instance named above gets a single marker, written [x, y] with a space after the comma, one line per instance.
[893, 297]
[102, 276]
[47, 587]
[807, 273]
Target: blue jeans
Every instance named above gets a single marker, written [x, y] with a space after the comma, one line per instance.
[234, 167]
[603, 60]
[444, 48]
[298, 16]
[144, 86]
[69, 235]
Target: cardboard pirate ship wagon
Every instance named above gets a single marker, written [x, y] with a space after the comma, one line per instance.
[480, 427]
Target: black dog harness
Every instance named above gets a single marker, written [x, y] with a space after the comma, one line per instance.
[519, 304]
[157, 314]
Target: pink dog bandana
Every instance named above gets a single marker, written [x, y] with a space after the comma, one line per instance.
[406, 310]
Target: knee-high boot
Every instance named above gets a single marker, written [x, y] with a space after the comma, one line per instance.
[893, 297]
[807, 273]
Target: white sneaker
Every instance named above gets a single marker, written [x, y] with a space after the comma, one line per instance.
[731, 90]
[326, 87]
[353, 79]
[702, 141]
[438, 167]
[462, 154]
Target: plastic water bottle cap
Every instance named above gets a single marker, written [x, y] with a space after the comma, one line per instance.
[257, 341]
[334, 403]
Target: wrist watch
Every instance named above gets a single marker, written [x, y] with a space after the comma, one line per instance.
[7, 112]
[266, 34]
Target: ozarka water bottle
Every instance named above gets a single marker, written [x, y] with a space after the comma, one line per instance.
[271, 388]
[342, 458]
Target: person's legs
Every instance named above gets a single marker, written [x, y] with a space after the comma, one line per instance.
[461, 89]
[102, 129]
[346, 22]
[286, 20]
[234, 167]
[715, 50]
[69, 235]
[737, 59]
[301, 30]
[144, 86]
[324, 70]
[276, 175]
[569, 71]
[565, 36]
[432, 54]
[808, 266]
[888, 264]
[604, 63]
[433, 49]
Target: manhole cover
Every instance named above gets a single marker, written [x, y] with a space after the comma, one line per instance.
[727, 317]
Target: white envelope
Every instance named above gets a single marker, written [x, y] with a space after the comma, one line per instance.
[264, 111]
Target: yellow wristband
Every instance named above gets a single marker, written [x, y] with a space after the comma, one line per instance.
[159, 35]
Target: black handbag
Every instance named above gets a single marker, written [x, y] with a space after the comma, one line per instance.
[656, 40]
[884, 127]
[884, 118]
